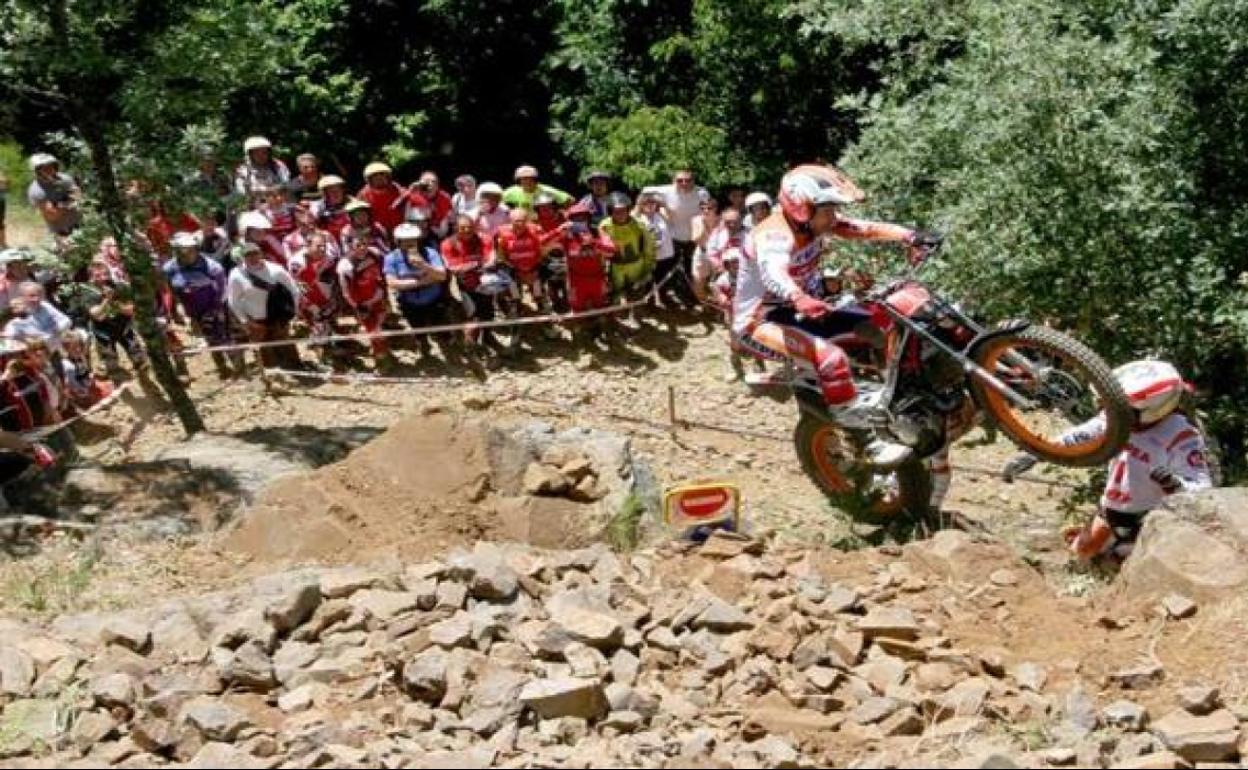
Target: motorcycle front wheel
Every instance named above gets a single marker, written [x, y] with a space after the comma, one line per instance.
[830, 461]
[1065, 384]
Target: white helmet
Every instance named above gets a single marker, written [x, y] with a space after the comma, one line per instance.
[755, 198]
[184, 240]
[489, 188]
[41, 159]
[809, 186]
[1154, 388]
[256, 143]
[494, 283]
[253, 220]
[408, 232]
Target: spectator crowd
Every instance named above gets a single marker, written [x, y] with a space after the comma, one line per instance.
[267, 254]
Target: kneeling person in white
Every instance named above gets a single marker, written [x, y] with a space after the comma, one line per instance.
[1165, 455]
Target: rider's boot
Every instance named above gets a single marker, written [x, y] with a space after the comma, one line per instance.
[879, 454]
[860, 418]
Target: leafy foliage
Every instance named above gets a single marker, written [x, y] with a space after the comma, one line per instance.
[1089, 160]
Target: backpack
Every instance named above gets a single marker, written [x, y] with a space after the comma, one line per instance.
[279, 306]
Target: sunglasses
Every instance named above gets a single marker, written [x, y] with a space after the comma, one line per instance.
[684, 180]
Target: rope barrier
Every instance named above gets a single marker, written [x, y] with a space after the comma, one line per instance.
[547, 318]
[104, 403]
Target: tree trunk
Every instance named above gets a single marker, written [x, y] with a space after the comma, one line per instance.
[142, 274]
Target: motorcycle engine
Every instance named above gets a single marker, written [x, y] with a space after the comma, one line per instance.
[921, 416]
[918, 424]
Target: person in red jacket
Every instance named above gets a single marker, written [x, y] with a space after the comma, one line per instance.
[364, 224]
[586, 254]
[466, 255]
[550, 221]
[427, 193]
[385, 196]
[331, 209]
[161, 226]
[280, 211]
[520, 247]
[314, 268]
[364, 289]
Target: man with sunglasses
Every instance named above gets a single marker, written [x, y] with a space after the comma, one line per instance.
[683, 201]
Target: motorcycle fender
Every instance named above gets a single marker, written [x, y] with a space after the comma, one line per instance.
[1012, 326]
[811, 403]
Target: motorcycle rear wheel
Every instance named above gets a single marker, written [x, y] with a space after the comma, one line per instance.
[1075, 385]
[866, 496]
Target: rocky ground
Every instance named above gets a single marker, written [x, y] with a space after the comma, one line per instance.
[273, 594]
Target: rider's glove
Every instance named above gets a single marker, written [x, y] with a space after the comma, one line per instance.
[1016, 467]
[810, 307]
[1165, 479]
[929, 238]
[922, 243]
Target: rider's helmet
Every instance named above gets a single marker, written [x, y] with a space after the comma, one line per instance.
[253, 220]
[358, 205]
[597, 174]
[619, 200]
[1154, 388]
[256, 143]
[809, 185]
[579, 210]
[489, 188]
[543, 199]
[525, 172]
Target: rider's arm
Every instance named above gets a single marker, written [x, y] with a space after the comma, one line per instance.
[1187, 459]
[1088, 431]
[772, 249]
[867, 230]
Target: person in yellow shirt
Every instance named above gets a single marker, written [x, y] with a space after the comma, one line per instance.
[632, 267]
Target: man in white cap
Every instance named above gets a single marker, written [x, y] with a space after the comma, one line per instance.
[260, 169]
[54, 194]
[265, 299]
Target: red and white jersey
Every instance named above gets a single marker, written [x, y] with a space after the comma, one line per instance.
[1173, 443]
[779, 263]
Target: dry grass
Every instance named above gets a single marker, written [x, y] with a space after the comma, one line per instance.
[22, 225]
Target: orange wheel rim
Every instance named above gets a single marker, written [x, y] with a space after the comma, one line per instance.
[835, 479]
[1003, 410]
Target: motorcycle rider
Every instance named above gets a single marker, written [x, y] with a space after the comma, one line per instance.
[1166, 454]
[780, 312]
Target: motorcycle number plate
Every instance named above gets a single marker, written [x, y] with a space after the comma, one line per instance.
[693, 505]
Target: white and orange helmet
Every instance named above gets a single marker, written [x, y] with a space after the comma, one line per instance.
[1155, 388]
[810, 185]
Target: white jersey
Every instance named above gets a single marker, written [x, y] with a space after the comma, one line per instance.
[774, 270]
[1174, 443]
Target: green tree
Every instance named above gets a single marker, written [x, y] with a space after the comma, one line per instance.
[1084, 158]
[124, 76]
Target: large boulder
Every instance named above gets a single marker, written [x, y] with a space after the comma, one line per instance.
[251, 465]
[1188, 551]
